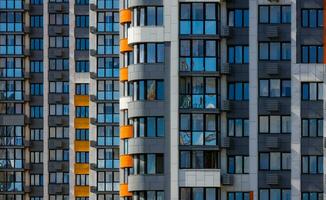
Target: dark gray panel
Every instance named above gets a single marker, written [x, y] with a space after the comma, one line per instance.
[36, 9]
[58, 143]
[81, 55]
[58, 7]
[146, 108]
[312, 146]
[283, 67]
[81, 9]
[284, 141]
[58, 76]
[58, 98]
[238, 4]
[145, 71]
[145, 182]
[284, 179]
[36, 191]
[239, 109]
[135, 3]
[58, 166]
[239, 72]
[36, 168]
[12, 119]
[36, 145]
[239, 146]
[58, 121]
[81, 33]
[58, 188]
[284, 106]
[145, 145]
[58, 30]
[36, 123]
[312, 109]
[312, 182]
[284, 32]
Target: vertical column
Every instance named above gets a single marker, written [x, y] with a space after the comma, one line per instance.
[324, 104]
[171, 32]
[71, 100]
[45, 99]
[253, 100]
[295, 111]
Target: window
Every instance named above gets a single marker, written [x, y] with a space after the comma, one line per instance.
[275, 194]
[238, 91]
[11, 158]
[59, 42]
[36, 134]
[108, 135]
[148, 90]
[36, 112]
[148, 16]
[198, 129]
[82, 21]
[196, 193]
[59, 132]
[11, 21]
[11, 90]
[198, 159]
[238, 54]
[36, 2]
[82, 2]
[58, 19]
[108, 158]
[238, 196]
[312, 164]
[108, 67]
[107, 112]
[107, 21]
[36, 21]
[275, 161]
[238, 164]
[148, 164]
[82, 44]
[12, 181]
[11, 44]
[82, 112]
[274, 88]
[274, 51]
[108, 44]
[82, 157]
[199, 18]
[36, 89]
[148, 194]
[81, 89]
[59, 109]
[312, 54]
[11, 135]
[198, 55]
[238, 18]
[312, 127]
[274, 14]
[36, 44]
[148, 126]
[108, 90]
[312, 18]
[59, 177]
[82, 66]
[108, 4]
[59, 64]
[198, 92]
[36, 157]
[312, 91]
[82, 134]
[12, 108]
[274, 124]
[36, 179]
[59, 154]
[238, 127]
[59, 197]
[11, 67]
[82, 179]
[11, 4]
[149, 53]
[312, 196]
[36, 66]
[108, 181]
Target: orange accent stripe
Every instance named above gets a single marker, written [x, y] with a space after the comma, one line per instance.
[126, 132]
[81, 168]
[124, 47]
[124, 74]
[82, 191]
[125, 16]
[81, 100]
[82, 123]
[126, 161]
[251, 195]
[81, 145]
[124, 190]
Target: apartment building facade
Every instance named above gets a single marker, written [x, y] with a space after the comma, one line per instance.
[162, 99]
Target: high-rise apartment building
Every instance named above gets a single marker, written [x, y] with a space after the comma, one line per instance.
[162, 100]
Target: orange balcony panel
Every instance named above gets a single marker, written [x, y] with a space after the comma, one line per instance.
[124, 47]
[81, 168]
[125, 16]
[124, 190]
[126, 132]
[126, 161]
[81, 100]
[82, 191]
[124, 74]
[82, 145]
[82, 123]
